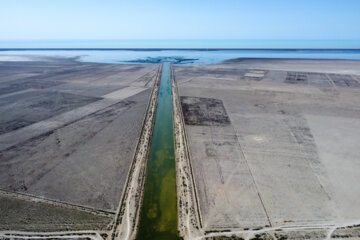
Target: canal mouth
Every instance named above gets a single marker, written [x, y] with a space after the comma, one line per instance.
[157, 60]
[158, 215]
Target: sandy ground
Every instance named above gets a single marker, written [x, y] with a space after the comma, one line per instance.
[305, 65]
[265, 149]
[15, 59]
[127, 215]
[68, 135]
[188, 210]
[272, 145]
[26, 213]
[78, 235]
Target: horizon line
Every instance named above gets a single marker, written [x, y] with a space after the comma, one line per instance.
[158, 49]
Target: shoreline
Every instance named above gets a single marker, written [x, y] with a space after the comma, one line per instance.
[239, 60]
[146, 56]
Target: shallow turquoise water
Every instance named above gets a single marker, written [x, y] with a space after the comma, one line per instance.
[199, 56]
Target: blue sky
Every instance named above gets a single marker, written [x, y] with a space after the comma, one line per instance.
[186, 19]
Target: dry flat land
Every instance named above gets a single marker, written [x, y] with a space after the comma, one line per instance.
[274, 143]
[68, 133]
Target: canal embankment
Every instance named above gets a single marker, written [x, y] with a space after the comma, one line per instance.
[160, 200]
[125, 223]
[188, 208]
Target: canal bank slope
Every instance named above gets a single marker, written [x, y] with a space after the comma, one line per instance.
[125, 224]
[188, 211]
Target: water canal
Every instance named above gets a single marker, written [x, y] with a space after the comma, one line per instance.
[158, 217]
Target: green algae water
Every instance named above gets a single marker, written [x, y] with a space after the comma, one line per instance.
[158, 218]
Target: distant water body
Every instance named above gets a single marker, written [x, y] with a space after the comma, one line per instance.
[184, 56]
